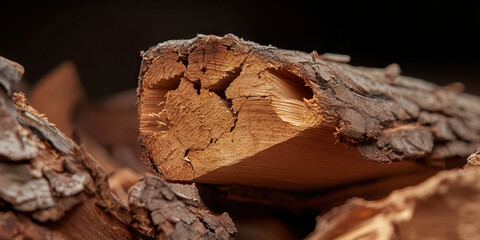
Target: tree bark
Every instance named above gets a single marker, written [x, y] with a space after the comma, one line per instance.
[226, 111]
[445, 206]
[50, 188]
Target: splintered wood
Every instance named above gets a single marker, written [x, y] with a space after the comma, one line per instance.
[227, 111]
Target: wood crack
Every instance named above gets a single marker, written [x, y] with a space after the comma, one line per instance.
[255, 102]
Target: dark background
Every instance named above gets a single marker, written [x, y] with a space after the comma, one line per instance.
[433, 41]
[436, 42]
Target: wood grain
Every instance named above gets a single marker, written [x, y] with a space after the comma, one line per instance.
[227, 111]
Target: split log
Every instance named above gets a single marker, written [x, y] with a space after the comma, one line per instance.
[446, 206]
[45, 96]
[226, 111]
[50, 188]
[95, 123]
[101, 120]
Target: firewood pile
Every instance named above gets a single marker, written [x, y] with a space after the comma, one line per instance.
[228, 139]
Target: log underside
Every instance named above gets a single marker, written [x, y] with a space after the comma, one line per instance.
[227, 111]
[311, 169]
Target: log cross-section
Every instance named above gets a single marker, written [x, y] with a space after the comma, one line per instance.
[227, 111]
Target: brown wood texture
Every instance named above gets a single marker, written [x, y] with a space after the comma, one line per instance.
[227, 111]
[93, 123]
[45, 96]
[446, 206]
[50, 188]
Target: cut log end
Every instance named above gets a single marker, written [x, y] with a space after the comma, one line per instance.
[227, 111]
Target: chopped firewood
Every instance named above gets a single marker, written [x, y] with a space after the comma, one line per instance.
[57, 95]
[97, 151]
[60, 96]
[226, 111]
[446, 206]
[50, 188]
[100, 120]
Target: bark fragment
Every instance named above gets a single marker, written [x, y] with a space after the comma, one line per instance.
[176, 210]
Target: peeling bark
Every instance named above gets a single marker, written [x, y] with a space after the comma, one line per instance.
[221, 110]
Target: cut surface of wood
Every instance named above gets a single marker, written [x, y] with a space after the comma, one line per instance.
[308, 161]
[226, 111]
[446, 206]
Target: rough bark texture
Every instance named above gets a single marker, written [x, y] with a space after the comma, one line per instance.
[50, 188]
[213, 108]
[446, 206]
[176, 211]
